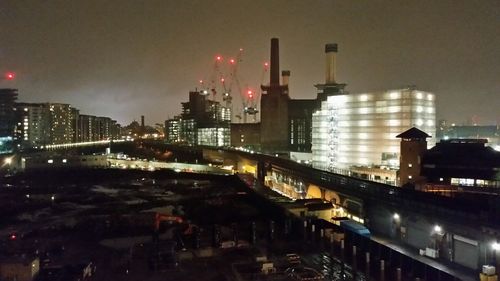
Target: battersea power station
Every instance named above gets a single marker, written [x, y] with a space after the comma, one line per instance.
[337, 129]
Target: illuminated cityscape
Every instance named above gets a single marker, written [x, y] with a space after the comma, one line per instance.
[238, 140]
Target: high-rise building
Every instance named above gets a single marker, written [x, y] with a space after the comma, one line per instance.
[7, 119]
[95, 128]
[202, 122]
[85, 128]
[75, 115]
[172, 130]
[40, 124]
[61, 128]
[32, 125]
[360, 129]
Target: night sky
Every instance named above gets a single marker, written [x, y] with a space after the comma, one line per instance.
[124, 58]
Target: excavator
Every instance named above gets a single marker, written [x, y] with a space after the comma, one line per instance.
[168, 254]
[172, 219]
[159, 217]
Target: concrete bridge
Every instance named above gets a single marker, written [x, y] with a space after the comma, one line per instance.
[461, 230]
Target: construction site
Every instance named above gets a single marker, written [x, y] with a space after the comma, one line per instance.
[131, 225]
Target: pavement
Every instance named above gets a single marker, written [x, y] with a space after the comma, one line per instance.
[455, 270]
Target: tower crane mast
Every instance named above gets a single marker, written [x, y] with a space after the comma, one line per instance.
[251, 98]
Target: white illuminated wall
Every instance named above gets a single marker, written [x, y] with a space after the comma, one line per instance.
[214, 136]
[359, 129]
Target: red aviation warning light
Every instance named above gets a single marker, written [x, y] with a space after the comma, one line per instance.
[219, 58]
[250, 94]
[10, 76]
[232, 61]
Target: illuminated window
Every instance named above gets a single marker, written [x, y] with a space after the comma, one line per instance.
[363, 97]
[394, 95]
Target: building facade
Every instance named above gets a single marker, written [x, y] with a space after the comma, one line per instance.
[172, 130]
[300, 124]
[46, 123]
[246, 135]
[202, 122]
[60, 121]
[40, 124]
[32, 125]
[96, 128]
[274, 121]
[491, 133]
[467, 164]
[8, 98]
[360, 129]
[413, 146]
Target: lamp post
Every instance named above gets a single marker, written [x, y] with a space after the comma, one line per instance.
[495, 246]
[437, 232]
[396, 224]
[7, 162]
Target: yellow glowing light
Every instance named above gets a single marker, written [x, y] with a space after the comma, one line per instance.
[394, 95]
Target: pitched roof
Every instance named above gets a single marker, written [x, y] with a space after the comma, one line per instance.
[413, 133]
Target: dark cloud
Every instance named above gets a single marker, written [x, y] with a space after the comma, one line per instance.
[127, 58]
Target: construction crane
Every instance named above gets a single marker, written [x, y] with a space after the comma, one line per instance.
[215, 77]
[251, 98]
[224, 77]
[233, 78]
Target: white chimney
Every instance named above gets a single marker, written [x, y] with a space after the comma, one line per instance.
[330, 55]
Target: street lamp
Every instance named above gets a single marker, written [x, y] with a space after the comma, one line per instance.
[437, 229]
[396, 216]
[8, 161]
[495, 246]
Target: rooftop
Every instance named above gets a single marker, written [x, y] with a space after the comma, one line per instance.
[413, 133]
